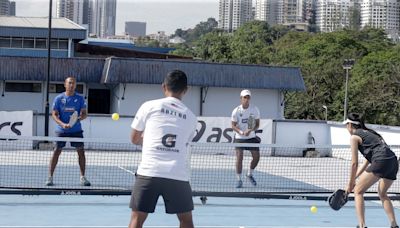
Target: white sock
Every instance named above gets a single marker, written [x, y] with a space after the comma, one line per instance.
[250, 173]
[239, 176]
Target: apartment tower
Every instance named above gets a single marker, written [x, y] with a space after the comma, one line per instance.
[234, 13]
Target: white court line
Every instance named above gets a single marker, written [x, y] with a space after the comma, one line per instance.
[126, 170]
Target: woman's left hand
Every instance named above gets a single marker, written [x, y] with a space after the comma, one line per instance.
[350, 187]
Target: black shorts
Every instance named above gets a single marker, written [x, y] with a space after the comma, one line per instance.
[251, 140]
[177, 195]
[61, 144]
[384, 168]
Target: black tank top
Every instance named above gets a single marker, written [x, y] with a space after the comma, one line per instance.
[373, 148]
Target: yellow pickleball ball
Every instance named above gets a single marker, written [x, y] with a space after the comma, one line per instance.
[313, 209]
[115, 116]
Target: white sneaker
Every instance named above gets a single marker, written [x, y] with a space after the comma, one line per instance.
[49, 181]
[84, 181]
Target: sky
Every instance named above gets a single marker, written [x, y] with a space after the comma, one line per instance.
[160, 15]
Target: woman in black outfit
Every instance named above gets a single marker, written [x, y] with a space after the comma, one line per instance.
[381, 165]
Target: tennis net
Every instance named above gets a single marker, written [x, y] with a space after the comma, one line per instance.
[283, 170]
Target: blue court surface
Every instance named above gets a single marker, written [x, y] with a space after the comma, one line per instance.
[113, 211]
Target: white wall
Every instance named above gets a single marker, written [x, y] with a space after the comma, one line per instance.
[218, 102]
[340, 135]
[295, 133]
[291, 132]
[19, 101]
[13, 101]
[135, 95]
[222, 101]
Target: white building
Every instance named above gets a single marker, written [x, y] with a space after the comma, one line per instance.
[177, 40]
[160, 36]
[265, 11]
[332, 15]
[103, 17]
[234, 13]
[122, 84]
[383, 14]
[281, 11]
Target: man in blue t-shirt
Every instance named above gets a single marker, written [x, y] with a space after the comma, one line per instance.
[64, 107]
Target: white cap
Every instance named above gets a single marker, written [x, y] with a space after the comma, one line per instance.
[245, 92]
[350, 121]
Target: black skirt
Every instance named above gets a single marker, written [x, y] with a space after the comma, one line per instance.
[384, 168]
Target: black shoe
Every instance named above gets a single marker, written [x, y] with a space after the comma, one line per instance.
[252, 180]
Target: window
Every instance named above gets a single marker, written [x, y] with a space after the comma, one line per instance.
[29, 43]
[23, 87]
[41, 43]
[63, 44]
[5, 42]
[54, 44]
[16, 42]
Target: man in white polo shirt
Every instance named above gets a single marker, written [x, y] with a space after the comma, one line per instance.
[241, 117]
[164, 127]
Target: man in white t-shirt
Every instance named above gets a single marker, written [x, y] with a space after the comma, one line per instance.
[245, 121]
[164, 128]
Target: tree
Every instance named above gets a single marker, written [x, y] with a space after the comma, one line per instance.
[375, 87]
[251, 43]
[182, 50]
[214, 47]
[320, 58]
[199, 30]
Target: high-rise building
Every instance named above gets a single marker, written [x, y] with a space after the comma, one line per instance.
[281, 11]
[293, 11]
[383, 14]
[12, 9]
[234, 13]
[7, 8]
[332, 15]
[266, 11]
[103, 16]
[74, 10]
[135, 29]
[310, 11]
[86, 12]
[4, 7]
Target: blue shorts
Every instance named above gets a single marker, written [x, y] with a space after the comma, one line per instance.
[61, 144]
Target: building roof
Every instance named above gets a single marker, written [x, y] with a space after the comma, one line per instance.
[87, 50]
[152, 71]
[125, 44]
[39, 22]
[38, 27]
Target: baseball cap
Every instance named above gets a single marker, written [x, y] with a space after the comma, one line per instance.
[245, 92]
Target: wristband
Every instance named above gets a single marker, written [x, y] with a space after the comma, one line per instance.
[241, 132]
